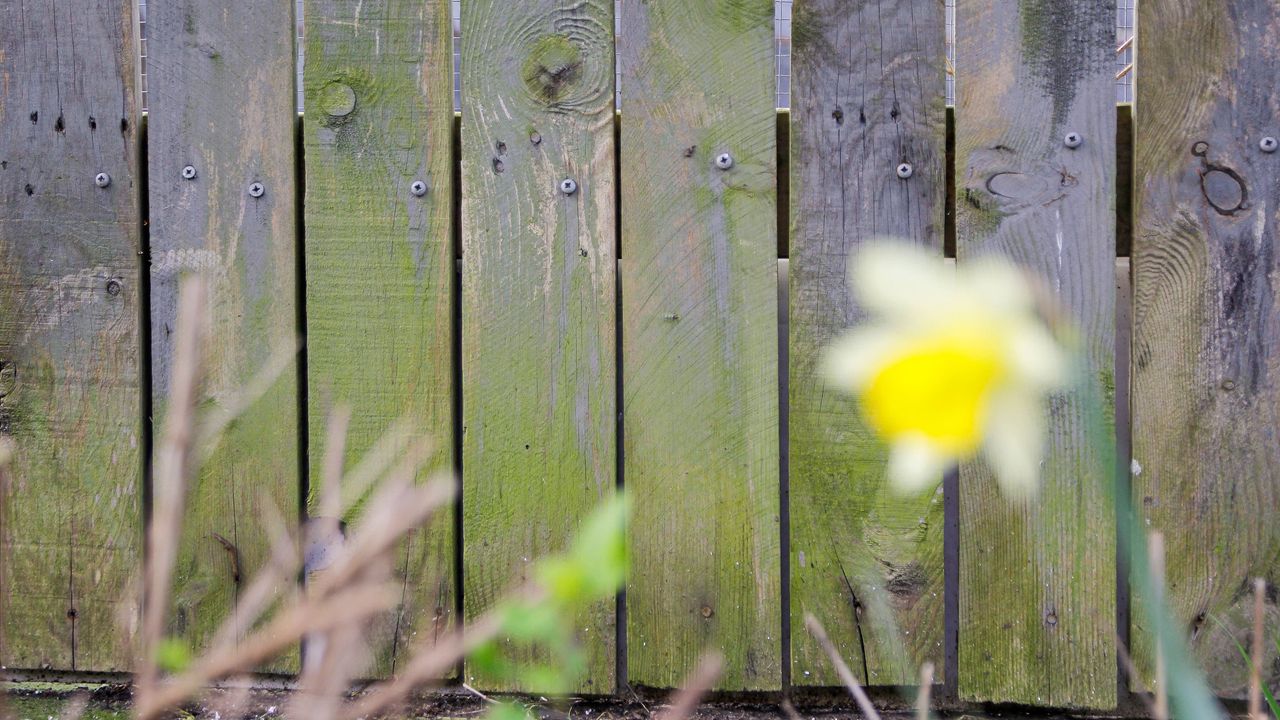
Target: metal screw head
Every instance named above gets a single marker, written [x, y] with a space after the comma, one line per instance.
[418, 188]
[189, 172]
[568, 186]
[1228, 385]
[1073, 140]
[113, 287]
[102, 180]
[905, 170]
[256, 189]
[1268, 144]
[724, 161]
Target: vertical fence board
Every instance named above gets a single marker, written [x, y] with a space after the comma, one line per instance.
[538, 299]
[867, 94]
[1206, 346]
[699, 276]
[221, 101]
[1037, 583]
[379, 262]
[70, 529]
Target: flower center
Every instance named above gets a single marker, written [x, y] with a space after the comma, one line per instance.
[938, 390]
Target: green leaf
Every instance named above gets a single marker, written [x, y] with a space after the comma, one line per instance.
[601, 548]
[173, 655]
[525, 622]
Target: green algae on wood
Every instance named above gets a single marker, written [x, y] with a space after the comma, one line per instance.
[538, 300]
[221, 89]
[1206, 345]
[379, 266]
[71, 524]
[700, 340]
[857, 548]
[1037, 583]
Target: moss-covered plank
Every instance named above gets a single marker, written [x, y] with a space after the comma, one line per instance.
[1037, 582]
[1206, 347]
[71, 525]
[700, 339]
[538, 299]
[222, 198]
[379, 263]
[867, 96]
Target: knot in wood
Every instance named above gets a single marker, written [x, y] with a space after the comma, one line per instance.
[1224, 189]
[707, 612]
[337, 99]
[552, 69]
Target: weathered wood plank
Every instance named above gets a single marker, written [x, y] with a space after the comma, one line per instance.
[380, 260]
[1206, 351]
[538, 296]
[1037, 583]
[71, 529]
[867, 95]
[700, 360]
[220, 83]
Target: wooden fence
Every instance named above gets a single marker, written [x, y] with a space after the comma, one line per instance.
[572, 299]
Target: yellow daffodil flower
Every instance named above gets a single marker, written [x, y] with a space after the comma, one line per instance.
[952, 361]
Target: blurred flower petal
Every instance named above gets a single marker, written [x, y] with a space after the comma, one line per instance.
[916, 465]
[1015, 439]
[899, 280]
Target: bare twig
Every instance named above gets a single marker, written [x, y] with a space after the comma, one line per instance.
[1255, 667]
[173, 466]
[426, 665]
[695, 685]
[334, 451]
[846, 675]
[926, 687]
[210, 433]
[1135, 680]
[281, 632]
[1155, 555]
[479, 694]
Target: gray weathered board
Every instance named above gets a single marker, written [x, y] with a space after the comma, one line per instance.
[220, 84]
[380, 265]
[700, 344]
[1037, 582]
[1206, 348]
[71, 526]
[867, 95]
[538, 299]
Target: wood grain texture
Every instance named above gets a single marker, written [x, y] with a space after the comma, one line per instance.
[1037, 583]
[71, 527]
[380, 261]
[538, 298]
[700, 344]
[220, 83]
[867, 94]
[1206, 350]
